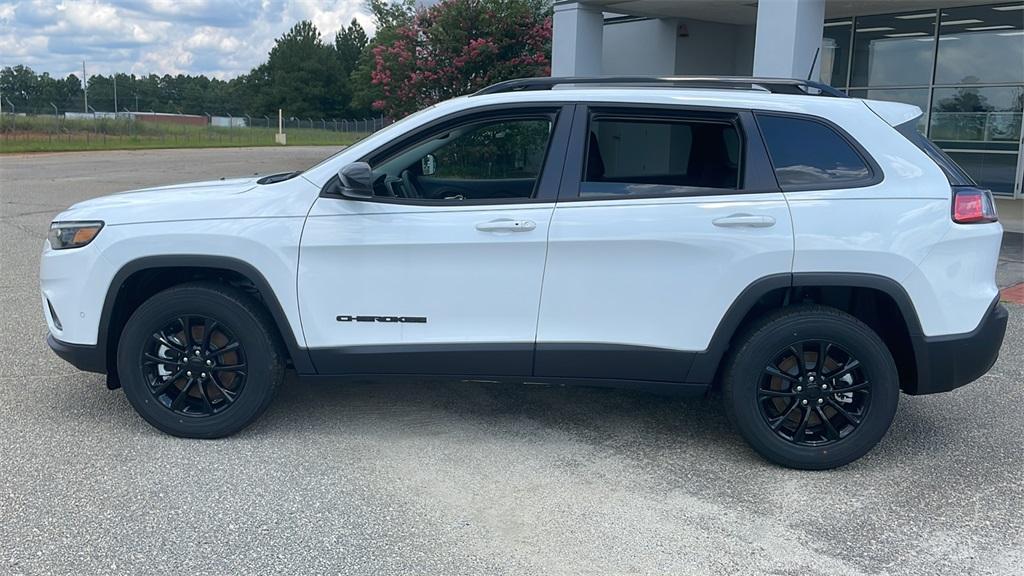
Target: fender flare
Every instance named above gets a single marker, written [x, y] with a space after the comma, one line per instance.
[706, 363]
[299, 355]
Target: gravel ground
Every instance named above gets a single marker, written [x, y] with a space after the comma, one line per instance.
[457, 478]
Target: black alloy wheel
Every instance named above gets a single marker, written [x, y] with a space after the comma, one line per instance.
[810, 387]
[194, 366]
[200, 360]
[814, 393]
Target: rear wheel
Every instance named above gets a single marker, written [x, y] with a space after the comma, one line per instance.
[199, 360]
[811, 387]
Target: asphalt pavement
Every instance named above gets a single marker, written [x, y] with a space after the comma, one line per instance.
[437, 477]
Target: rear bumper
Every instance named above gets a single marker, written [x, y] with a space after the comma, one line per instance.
[948, 362]
[82, 356]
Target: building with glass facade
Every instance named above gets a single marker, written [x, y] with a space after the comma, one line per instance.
[964, 67]
[961, 62]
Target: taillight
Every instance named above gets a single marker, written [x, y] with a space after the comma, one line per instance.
[973, 205]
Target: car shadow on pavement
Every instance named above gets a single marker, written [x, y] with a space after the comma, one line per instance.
[662, 429]
[631, 422]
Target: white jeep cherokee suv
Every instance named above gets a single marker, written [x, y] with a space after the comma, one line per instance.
[812, 254]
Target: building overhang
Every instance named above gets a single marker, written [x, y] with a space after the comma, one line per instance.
[745, 11]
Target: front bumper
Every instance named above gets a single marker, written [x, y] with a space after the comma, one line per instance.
[948, 362]
[87, 358]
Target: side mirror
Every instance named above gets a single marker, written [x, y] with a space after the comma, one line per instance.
[356, 180]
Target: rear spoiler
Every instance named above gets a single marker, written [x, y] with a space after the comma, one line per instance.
[894, 113]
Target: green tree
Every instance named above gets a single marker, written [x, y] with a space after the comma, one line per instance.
[459, 46]
[349, 44]
[303, 75]
[389, 17]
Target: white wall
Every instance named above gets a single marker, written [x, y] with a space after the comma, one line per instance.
[639, 48]
[654, 47]
[714, 48]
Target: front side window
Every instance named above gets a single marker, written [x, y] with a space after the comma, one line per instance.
[659, 155]
[484, 160]
[807, 154]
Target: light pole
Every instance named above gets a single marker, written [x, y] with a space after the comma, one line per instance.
[14, 117]
[85, 89]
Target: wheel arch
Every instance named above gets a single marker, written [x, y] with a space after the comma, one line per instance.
[879, 301]
[136, 280]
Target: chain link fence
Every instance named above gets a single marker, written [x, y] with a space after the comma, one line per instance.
[72, 130]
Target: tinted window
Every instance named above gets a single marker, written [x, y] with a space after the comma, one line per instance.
[893, 49]
[508, 149]
[981, 45]
[835, 52]
[476, 161]
[654, 154]
[806, 153]
[954, 173]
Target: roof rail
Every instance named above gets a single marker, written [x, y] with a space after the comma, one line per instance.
[773, 85]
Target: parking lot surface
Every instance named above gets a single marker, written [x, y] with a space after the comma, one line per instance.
[436, 477]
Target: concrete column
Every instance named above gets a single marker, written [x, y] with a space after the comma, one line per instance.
[576, 38]
[788, 34]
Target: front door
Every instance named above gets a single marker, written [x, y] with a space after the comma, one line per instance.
[440, 272]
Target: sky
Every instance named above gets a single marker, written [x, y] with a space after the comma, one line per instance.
[219, 38]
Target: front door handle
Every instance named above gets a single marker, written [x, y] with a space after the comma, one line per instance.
[506, 225]
[744, 221]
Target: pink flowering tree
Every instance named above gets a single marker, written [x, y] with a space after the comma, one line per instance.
[458, 46]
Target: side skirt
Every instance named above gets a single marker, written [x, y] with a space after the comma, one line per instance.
[680, 389]
[571, 364]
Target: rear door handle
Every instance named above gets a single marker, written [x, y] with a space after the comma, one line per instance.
[744, 221]
[506, 225]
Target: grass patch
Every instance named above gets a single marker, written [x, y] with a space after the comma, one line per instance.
[41, 134]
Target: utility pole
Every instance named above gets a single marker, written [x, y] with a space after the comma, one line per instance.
[85, 89]
[115, 93]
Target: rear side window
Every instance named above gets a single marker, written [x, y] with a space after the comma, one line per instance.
[807, 154]
[954, 173]
[659, 155]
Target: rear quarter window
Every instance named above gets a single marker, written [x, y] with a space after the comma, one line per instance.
[807, 155]
[954, 173]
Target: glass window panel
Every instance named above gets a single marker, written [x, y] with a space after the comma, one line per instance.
[916, 96]
[990, 170]
[482, 160]
[954, 173]
[981, 44]
[894, 49]
[660, 152]
[804, 152]
[835, 52]
[977, 117]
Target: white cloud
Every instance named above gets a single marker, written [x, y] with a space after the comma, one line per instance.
[221, 38]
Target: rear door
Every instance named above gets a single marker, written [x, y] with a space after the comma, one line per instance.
[665, 216]
[440, 272]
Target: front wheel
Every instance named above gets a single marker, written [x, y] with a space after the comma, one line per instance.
[811, 387]
[199, 360]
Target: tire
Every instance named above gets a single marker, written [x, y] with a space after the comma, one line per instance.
[805, 418]
[225, 387]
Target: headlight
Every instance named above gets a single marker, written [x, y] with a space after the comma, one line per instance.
[72, 234]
